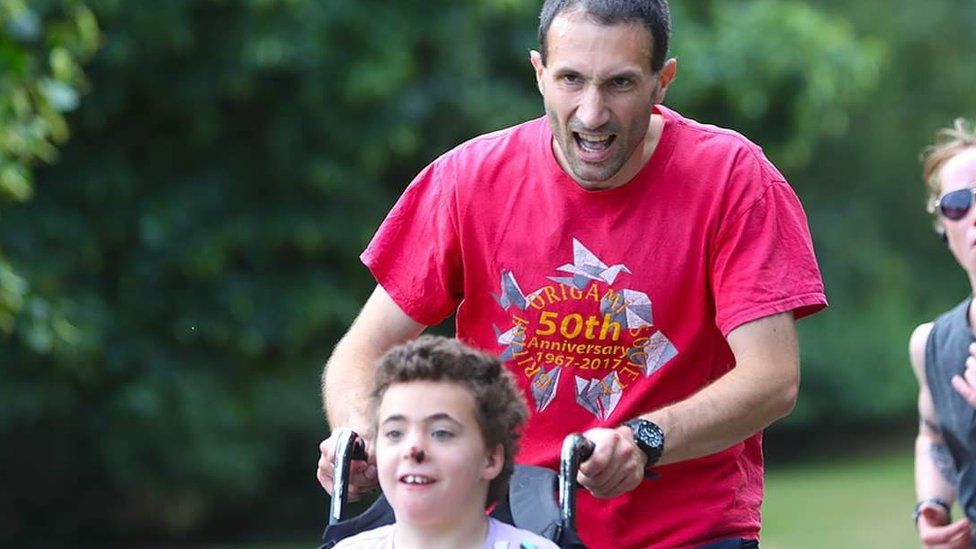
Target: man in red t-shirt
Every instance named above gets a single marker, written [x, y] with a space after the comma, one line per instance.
[639, 272]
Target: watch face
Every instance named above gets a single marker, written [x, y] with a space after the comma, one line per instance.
[650, 434]
[649, 438]
[653, 435]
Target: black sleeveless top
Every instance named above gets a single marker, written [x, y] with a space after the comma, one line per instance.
[946, 352]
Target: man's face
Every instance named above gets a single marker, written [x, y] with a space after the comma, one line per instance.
[599, 92]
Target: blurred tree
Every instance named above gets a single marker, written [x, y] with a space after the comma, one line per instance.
[886, 270]
[41, 48]
[197, 241]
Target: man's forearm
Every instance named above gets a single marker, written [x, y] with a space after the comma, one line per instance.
[724, 413]
[760, 389]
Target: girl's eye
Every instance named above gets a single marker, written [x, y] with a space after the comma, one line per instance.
[442, 435]
[393, 435]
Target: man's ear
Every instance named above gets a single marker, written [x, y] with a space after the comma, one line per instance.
[536, 59]
[665, 77]
[494, 462]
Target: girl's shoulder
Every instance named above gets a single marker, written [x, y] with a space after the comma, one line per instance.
[377, 538]
[505, 536]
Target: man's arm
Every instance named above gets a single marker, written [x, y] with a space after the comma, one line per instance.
[348, 379]
[760, 389]
[934, 470]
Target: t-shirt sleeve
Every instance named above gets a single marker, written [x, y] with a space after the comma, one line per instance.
[415, 254]
[764, 262]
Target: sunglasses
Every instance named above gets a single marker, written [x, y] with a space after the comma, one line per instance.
[955, 205]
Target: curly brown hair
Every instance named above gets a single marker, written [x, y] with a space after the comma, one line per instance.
[499, 406]
[948, 143]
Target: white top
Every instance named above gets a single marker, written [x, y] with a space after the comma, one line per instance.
[500, 536]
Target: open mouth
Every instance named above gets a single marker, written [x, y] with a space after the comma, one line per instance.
[593, 143]
[419, 480]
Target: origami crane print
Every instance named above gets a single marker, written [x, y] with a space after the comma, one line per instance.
[585, 267]
[632, 309]
[513, 340]
[544, 385]
[510, 294]
[599, 396]
[658, 351]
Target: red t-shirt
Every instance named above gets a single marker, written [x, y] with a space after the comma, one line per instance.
[609, 304]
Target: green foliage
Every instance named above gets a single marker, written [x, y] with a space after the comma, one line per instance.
[191, 256]
[886, 271]
[782, 72]
[195, 249]
[41, 48]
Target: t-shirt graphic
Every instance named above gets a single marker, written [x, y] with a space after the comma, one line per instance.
[587, 324]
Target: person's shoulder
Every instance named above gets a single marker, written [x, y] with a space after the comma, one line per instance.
[519, 136]
[916, 347]
[704, 131]
[938, 330]
[948, 324]
[699, 139]
[492, 159]
[515, 538]
[377, 538]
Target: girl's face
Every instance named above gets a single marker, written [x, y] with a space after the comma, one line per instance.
[959, 172]
[430, 454]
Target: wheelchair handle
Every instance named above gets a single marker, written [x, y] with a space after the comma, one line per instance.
[576, 449]
[349, 446]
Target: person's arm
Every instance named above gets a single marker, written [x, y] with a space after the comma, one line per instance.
[348, 379]
[934, 470]
[761, 388]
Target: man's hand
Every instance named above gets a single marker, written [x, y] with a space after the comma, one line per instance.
[965, 384]
[362, 474]
[616, 466]
[936, 534]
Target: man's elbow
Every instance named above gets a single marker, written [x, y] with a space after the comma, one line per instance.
[783, 400]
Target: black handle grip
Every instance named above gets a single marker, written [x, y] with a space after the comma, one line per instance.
[349, 446]
[576, 449]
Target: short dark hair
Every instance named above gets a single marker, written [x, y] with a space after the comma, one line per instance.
[499, 406]
[654, 15]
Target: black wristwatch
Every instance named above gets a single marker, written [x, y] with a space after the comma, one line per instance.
[649, 438]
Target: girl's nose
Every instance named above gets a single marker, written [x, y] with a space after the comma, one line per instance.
[417, 454]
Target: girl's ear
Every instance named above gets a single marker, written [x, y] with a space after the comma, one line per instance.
[494, 461]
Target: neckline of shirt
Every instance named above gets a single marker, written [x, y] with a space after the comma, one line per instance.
[655, 163]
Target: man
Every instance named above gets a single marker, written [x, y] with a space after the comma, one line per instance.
[943, 355]
[639, 272]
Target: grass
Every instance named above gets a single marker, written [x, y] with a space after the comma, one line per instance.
[862, 502]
